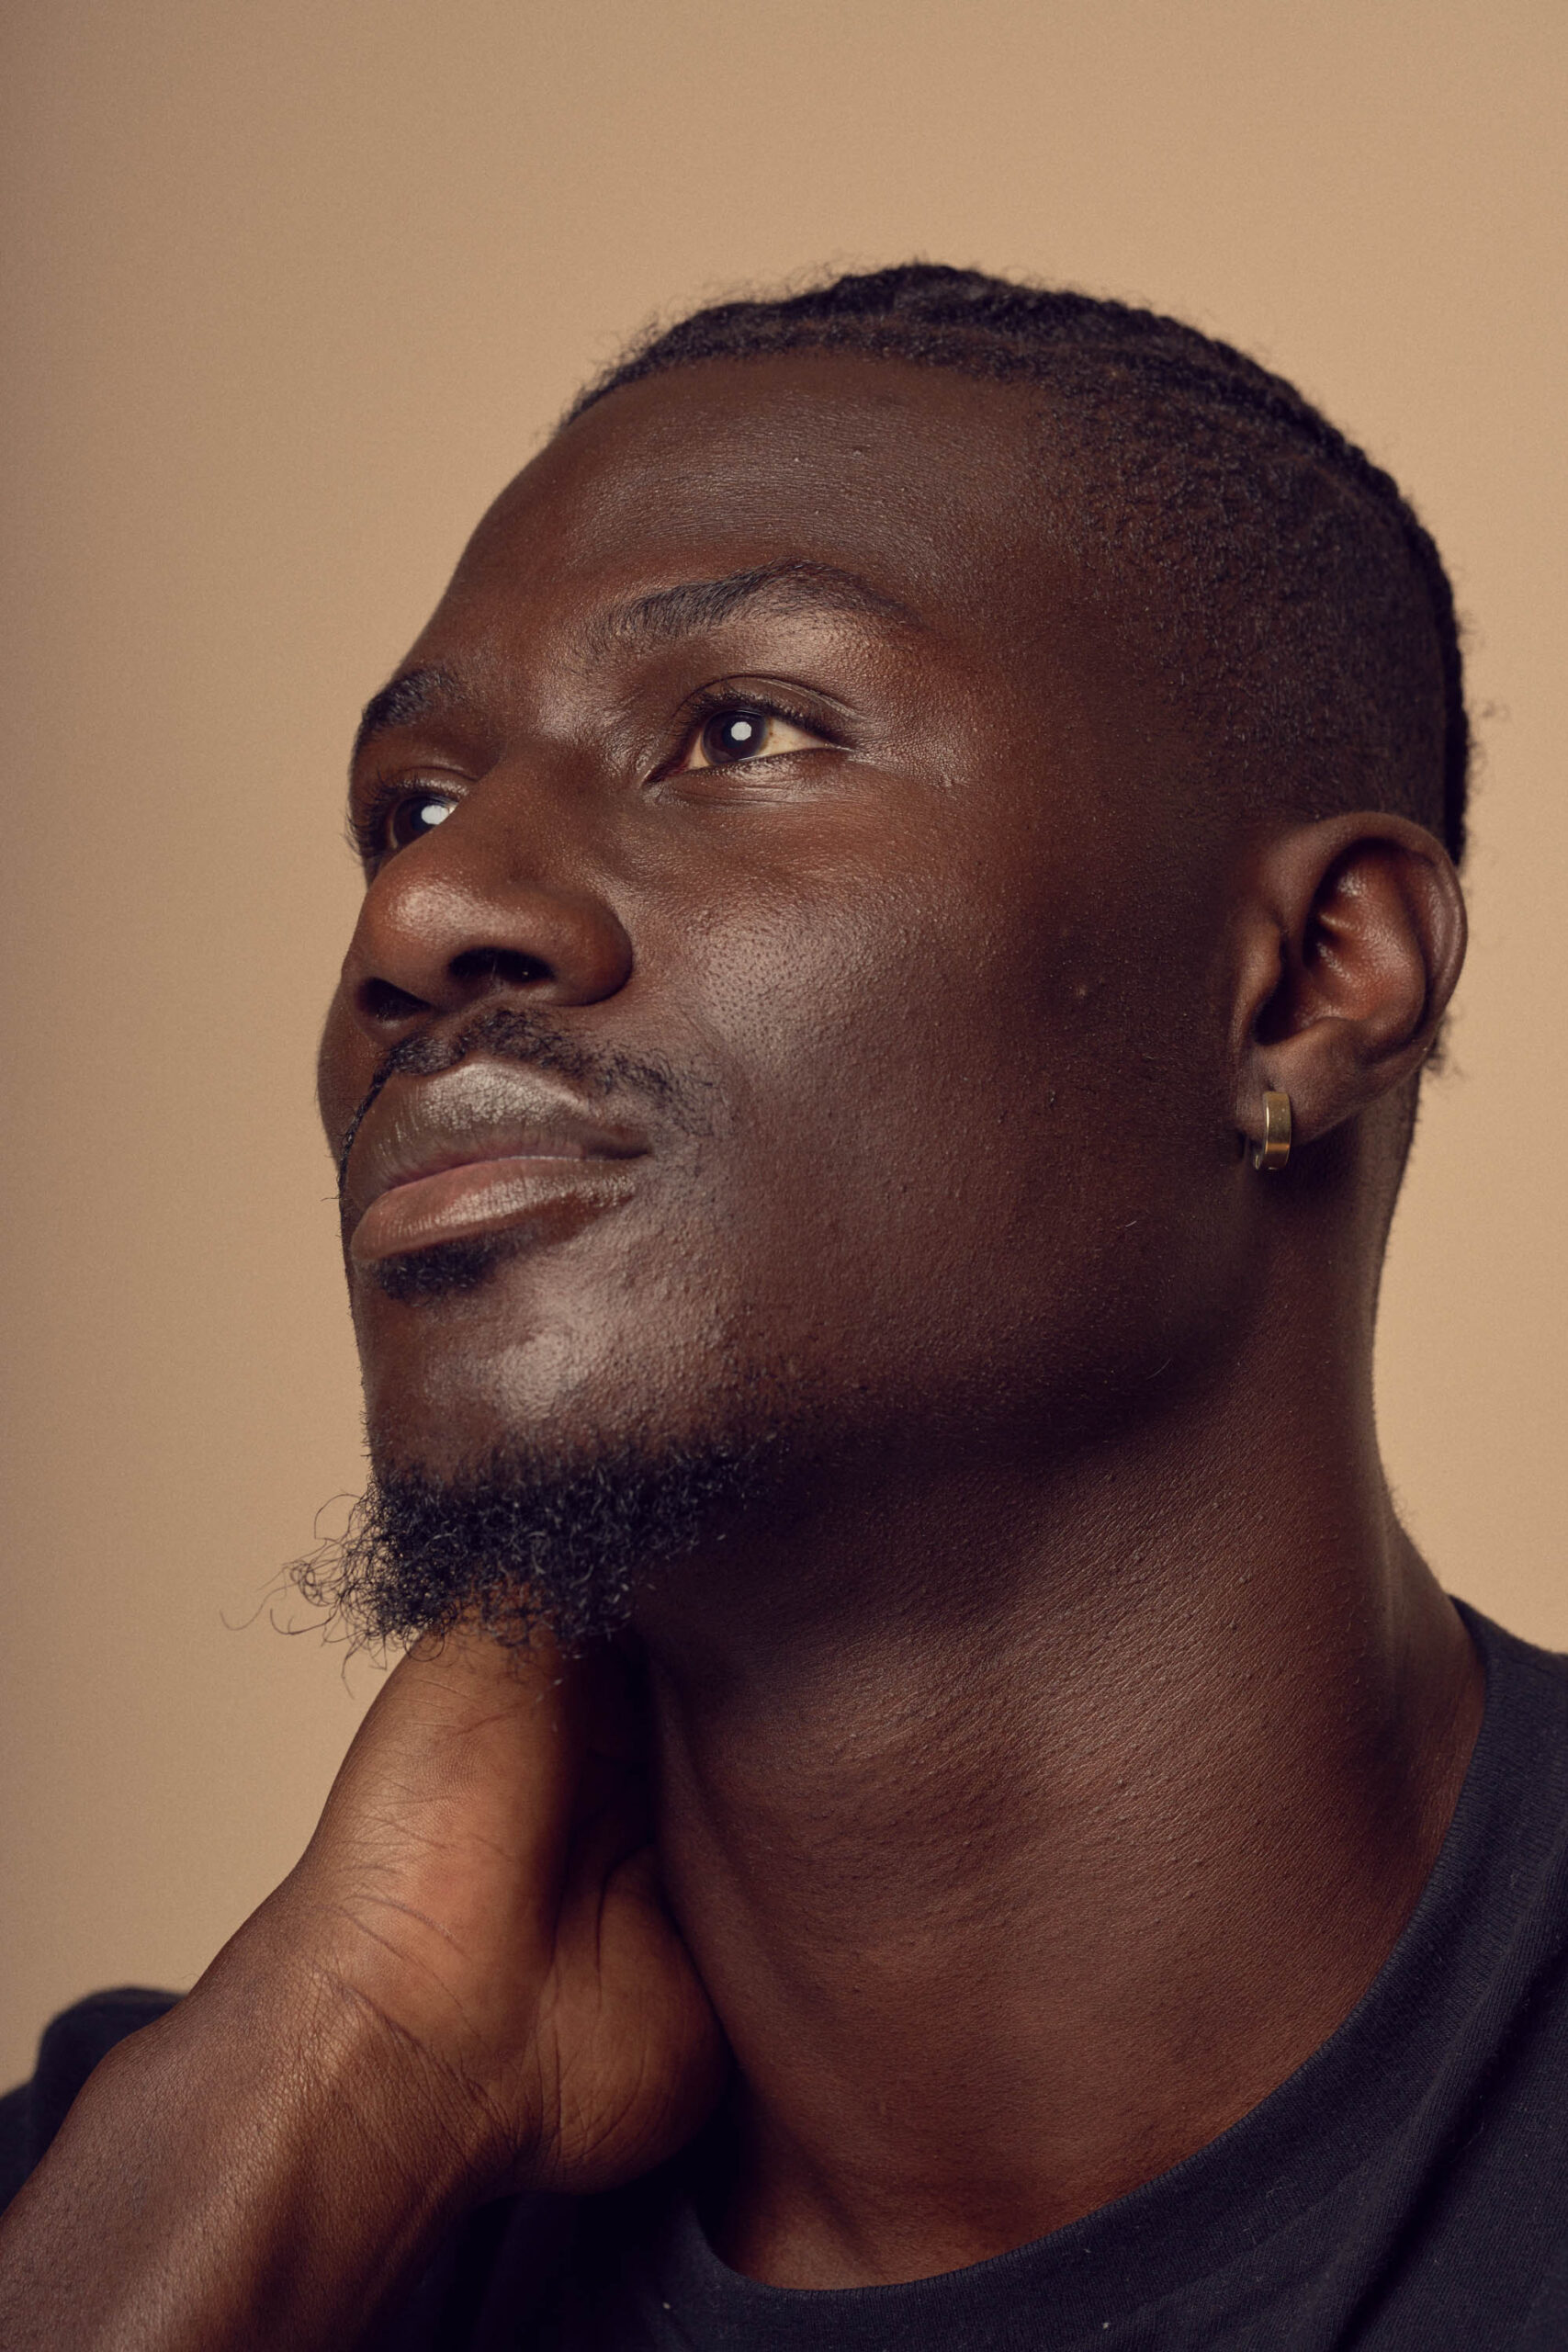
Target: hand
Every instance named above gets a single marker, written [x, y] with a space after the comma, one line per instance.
[467, 1983]
[484, 1886]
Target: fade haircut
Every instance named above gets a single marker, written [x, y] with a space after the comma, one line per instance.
[1298, 615]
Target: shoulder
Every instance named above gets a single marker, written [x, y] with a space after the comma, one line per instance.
[72, 2046]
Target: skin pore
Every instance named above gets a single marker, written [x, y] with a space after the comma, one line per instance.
[1038, 1760]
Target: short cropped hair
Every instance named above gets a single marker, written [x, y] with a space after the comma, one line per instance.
[1298, 613]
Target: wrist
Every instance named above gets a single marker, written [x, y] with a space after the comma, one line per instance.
[265, 2164]
[334, 2087]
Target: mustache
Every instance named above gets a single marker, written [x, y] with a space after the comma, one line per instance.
[678, 1099]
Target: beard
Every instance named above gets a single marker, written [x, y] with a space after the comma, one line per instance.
[548, 1536]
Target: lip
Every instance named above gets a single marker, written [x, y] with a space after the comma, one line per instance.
[477, 1148]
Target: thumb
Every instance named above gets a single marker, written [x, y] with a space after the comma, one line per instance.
[463, 1777]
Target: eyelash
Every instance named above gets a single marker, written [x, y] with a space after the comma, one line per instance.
[716, 702]
[368, 823]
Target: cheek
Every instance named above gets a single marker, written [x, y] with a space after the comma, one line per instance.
[972, 1152]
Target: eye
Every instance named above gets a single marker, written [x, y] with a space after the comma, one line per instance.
[398, 816]
[416, 814]
[742, 733]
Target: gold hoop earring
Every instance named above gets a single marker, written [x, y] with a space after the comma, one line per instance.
[1274, 1150]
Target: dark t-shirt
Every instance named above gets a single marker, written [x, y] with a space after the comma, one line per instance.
[1406, 2189]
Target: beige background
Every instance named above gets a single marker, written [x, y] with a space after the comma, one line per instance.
[291, 289]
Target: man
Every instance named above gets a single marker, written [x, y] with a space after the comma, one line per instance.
[911, 884]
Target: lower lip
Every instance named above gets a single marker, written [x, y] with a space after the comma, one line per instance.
[486, 1196]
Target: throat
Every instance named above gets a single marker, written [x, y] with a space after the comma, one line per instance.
[1004, 1920]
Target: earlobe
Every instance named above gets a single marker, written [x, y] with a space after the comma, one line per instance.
[1351, 939]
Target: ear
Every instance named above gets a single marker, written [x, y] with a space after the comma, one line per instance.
[1351, 937]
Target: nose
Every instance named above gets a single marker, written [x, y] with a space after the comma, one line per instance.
[496, 899]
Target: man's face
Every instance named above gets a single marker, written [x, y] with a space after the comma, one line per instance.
[797, 955]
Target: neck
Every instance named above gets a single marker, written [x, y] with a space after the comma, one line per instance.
[1029, 1825]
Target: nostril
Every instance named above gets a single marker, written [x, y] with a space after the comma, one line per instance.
[471, 974]
[507, 964]
[380, 1000]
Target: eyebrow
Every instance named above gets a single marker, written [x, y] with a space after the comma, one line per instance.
[663, 614]
[790, 584]
[411, 696]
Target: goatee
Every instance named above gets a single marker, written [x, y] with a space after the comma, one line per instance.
[527, 1539]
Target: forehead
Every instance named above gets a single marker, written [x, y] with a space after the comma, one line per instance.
[928, 483]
